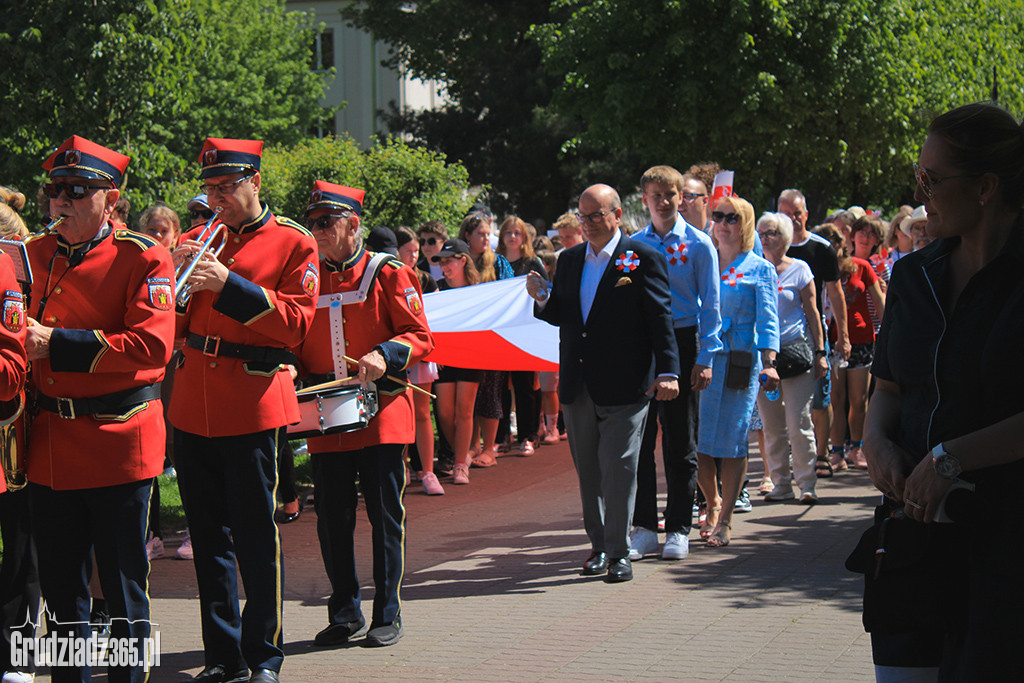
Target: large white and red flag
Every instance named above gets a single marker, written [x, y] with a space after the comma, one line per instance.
[490, 327]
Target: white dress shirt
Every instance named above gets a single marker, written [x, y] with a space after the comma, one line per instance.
[594, 266]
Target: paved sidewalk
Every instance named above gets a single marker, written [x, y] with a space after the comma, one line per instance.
[492, 593]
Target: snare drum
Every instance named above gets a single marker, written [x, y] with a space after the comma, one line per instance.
[335, 410]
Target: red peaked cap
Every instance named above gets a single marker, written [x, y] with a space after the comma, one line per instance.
[221, 156]
[327, 195]
[81, 158]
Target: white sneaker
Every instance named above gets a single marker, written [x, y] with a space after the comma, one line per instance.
[185, 549]
[154, 548]
[809, 497]
[431, 486]
[642, 542]
[18, 677]
[780, 493]
[677, 546]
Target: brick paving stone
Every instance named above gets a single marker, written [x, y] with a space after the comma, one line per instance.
[492, 593]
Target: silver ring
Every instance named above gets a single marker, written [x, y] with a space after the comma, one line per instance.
[914, 505]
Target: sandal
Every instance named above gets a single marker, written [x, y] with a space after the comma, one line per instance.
[823, 468]
[838, 462]
[721, 537]
[710, 522]
[485, 459]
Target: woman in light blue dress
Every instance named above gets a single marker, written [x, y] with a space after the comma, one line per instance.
[750, 323]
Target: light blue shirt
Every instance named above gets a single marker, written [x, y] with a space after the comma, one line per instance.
[693, 280]
[594, 266]
[750, 305]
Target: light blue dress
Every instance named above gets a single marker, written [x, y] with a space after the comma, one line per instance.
[750, 321]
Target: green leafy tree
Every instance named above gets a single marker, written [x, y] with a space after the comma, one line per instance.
[832, 97]
[150, 79]
[497, 123]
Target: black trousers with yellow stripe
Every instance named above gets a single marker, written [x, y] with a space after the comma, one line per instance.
[70, 527]
[228, 486]
[380, 471]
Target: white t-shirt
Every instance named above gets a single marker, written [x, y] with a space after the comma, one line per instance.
[792, 322]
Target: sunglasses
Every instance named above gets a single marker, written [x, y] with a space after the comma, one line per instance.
[690, 196]
[205, 214]
[730, 218]
[53, 190]
[325, 221]
[928, 182]
[428, 242]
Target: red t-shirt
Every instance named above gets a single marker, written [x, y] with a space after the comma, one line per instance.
[858, 318]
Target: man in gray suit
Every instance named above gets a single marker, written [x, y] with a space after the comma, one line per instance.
[610, 300]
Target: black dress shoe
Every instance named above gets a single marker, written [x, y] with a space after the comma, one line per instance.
[337, 634]
[596, 564]
[218, 674]
[265, 676]
[619, 569]
[282, 517]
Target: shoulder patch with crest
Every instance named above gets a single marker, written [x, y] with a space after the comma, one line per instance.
[413, 301]
[161, 293]
[14, 310]
[311, 279]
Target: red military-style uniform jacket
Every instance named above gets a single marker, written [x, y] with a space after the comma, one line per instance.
[392, 321]
[268, 301]
[114, 313]
[13, 362]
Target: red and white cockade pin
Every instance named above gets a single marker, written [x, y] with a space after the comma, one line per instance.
[628, 262]
[732, 277]
[676, 254]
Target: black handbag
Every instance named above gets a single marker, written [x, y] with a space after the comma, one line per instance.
[794, 358]
[913, 573]
[737, 374]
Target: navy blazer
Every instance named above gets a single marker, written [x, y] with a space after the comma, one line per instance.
[628, 337]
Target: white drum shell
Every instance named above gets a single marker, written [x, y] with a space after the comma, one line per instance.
[337, 410]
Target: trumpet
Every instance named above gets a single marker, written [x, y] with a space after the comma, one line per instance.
[52, 226]
[13, 431]
[209, 233]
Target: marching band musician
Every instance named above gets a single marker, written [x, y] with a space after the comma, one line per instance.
[386, 331]
[101, 328]
[19, 578]
[232, 397]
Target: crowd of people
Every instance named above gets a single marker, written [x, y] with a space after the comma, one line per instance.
[211, 342]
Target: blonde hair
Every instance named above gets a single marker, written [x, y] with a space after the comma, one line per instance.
[11, 222]
[746, 211]
[526, 251]
[159, 210]
[666, 175]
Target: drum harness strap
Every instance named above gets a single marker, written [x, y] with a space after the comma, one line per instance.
[334, 302]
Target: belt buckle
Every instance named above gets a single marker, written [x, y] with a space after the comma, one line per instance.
[66, 408]
[206, 346]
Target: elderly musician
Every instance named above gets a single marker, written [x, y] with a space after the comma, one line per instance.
[381, 326]
[101, 328]
[232, 397]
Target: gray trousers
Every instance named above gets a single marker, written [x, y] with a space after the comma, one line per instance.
[605, 445]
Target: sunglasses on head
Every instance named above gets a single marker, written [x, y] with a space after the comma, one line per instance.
[325, 221]
[429, 241]
[205, 214]
[730, 218]
[53, 190]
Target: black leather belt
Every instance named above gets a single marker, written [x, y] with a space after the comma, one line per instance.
[117, 403]
[215, 346]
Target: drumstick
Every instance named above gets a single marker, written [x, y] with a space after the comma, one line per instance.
[405, 384]
[339, 382]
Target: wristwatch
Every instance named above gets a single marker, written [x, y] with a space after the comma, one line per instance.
[946, 465]
[821, 353]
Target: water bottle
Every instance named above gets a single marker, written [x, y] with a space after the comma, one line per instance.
[772, 395]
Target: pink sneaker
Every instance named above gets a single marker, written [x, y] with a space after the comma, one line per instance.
[526, 448]
[460, 473]
[551, 436]
[431, 486]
